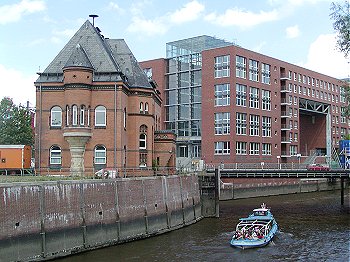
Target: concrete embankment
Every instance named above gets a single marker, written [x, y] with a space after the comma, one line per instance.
[44, 220]
[246, 188]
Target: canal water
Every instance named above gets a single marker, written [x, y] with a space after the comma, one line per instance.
[313, 227]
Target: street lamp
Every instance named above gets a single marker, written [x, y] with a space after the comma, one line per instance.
[278, 162]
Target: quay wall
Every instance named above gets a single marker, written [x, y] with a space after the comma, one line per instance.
[246, 188]
[45, 220]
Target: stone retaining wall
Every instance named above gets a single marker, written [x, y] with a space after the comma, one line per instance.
[246, 188]
[51, 219]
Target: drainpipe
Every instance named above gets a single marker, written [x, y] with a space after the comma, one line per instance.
[115, 126]
[40, 126]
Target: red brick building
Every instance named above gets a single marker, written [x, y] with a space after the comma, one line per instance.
[253, 108]
[97, 109]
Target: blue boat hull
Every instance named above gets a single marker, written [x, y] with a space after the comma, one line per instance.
[254, 243]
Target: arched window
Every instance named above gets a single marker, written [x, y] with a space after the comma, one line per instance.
[82, 115]
[56, 116]
[143, 146]
[74, 115]
[100, 116]
[67, 115]
[142, 140]
[146, 108]
[143, 137]
[124, 117]
[55, 155]
[88, 116]
[100, 155]
[143, 129]
[141, 107]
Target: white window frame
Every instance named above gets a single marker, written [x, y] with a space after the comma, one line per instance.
[266, 126]
[55, 155]
[266, 149]
[222, 66]
[241, 95]
[265, 100]
[241, 67]
[254, 148]
[142, 141]
[100, 114]
[241, 123]
[222, 95]
[222, 123]
[100, 155]
[56, 116]
[254, 97]
[253, 70]
[241, 148]
[222, 148]
[254, 125]
[74, 115]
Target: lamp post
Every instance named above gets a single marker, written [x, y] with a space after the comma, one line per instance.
[278, 162]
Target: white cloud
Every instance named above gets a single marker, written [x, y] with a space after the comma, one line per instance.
[59, 37]
[160, 25]
[242, 18]
[190, 12]
[147, 27]
[14, 12]
[114, 6]
[324, 58]
[293, 31]
[18, 86]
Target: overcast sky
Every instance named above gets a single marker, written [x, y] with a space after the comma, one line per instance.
[34, 31]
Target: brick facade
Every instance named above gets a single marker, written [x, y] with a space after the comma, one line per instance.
[304, 111]
[105, 118]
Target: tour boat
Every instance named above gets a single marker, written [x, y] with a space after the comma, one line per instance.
[256, 230]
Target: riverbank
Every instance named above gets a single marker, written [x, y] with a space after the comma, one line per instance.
[247, 188]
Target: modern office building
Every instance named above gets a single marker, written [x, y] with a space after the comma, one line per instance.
[95, 109]
[228, 104]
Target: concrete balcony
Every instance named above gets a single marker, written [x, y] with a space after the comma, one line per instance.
[285, 114]
[285, 140]
[285, 102]
[284, 77]
[285, 127]
[285, 89]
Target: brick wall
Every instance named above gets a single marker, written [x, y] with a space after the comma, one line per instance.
[52, 219]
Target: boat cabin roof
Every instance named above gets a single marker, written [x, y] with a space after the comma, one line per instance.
[260, 209]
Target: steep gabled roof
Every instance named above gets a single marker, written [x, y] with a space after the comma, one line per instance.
[88, 48]
[128, 63]
[78, 58]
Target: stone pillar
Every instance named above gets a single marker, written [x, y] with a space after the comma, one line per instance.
[77, 142]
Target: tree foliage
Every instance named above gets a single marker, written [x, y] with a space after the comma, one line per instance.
[15, 124]
[341, 16]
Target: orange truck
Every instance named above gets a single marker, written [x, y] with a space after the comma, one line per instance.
[15, 157]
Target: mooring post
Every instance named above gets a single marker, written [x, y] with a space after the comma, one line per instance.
[217, 191]
[342, 191]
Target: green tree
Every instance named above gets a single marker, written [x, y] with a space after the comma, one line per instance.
[15, 124]
[341, 16]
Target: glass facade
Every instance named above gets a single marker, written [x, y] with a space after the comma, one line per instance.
[183, 106]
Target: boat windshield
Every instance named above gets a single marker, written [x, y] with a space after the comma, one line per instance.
[260, 213]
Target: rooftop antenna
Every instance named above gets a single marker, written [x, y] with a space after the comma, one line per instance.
[93, 19]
